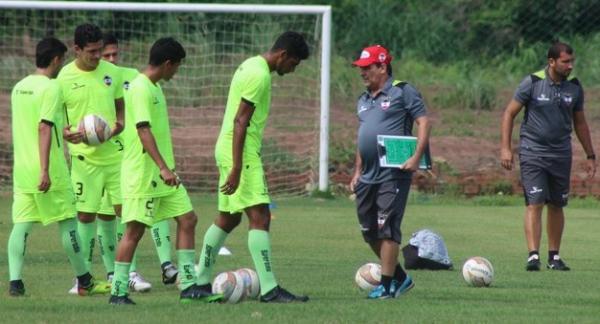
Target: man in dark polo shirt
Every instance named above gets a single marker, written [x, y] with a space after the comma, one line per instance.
[387, 107]
[553, 104]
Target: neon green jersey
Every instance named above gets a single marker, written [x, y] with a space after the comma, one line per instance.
[92, 92]
[140, 176]
[34, 99]
[128, 75]
[251, 82]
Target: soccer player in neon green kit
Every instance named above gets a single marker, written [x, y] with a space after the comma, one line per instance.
[42, 190]
[242, 181]
[152, 192]
[92, 86]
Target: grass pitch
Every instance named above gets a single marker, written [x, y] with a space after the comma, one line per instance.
[317, 248]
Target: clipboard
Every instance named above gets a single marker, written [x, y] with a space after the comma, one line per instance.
[394, 150]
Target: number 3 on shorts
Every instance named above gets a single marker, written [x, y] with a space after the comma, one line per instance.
[150, 207]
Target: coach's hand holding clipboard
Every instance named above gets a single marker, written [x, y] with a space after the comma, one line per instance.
[399, 152]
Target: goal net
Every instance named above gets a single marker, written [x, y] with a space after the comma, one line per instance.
[216, 43]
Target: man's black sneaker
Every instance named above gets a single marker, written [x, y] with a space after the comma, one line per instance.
[169, 273]
[557, 264]
[199, 293]
[280, 295]
[533, 263]
[16, 288]
[120, 300]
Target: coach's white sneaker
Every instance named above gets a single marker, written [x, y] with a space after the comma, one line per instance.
[75, 289]
[138, 283]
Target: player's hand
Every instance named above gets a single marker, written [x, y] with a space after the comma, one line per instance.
[232, 182]
[590, 167]
[117, 129]
[506, 158]
[72, 137]
[412, 164]
[169, 177]
[45, 183]
[354, 181]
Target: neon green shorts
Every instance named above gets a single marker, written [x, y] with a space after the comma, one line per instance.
[106, 205]
[90, 181]
[153, 210]
[252, 190]
[45, 208]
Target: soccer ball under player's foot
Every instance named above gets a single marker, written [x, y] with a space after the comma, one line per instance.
[280, 295]
[169, 273]
[120, 300]
[199, 293]
[16, 288]
[137, 283]
[96, 287]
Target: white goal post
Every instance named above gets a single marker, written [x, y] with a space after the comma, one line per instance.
[321, 78]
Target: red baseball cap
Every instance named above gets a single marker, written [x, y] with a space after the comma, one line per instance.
[373, 54]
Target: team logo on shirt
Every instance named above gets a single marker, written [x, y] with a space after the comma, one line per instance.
[126, 85]
[362, 108]
[543, 97]
[107, 80]
[385, 104]
[567, 98]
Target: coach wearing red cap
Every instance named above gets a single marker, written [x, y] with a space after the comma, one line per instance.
[387, 107]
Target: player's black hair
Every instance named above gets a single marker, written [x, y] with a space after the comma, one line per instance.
[559, 47]
[109, 38]
[166, 49]
[293, 43]
[47, 49]
[87, 33]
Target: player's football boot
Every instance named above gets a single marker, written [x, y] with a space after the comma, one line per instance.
[16, 288]
[533, 263]
[120, 300]
[379, 292]
[96, 287]
[137, 283]
[169, 273]
[195, 293]
[557, 264]
[398, 289]
[280, 295]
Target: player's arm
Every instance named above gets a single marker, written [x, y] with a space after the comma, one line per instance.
[149, 144]
[508, 117]
[357, 169]
[582, 131]
[240, 125]
[120, 112]
[45, 139]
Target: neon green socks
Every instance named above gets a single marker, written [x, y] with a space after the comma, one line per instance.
[120, 284]
[17, 242]
[259, 244]
[213, 240]
[187, 274]
[107, 240]
[162, 240]
[72, 245]
[87, 233]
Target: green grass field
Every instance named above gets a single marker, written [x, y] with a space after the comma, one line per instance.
[316, 250]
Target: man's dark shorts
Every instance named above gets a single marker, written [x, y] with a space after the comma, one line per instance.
[545, 179]
[380, 208]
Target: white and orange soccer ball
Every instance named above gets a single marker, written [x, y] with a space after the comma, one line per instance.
[478, 272]
[251, 282]
[231, 285]
[368, 276]
[95, 130]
